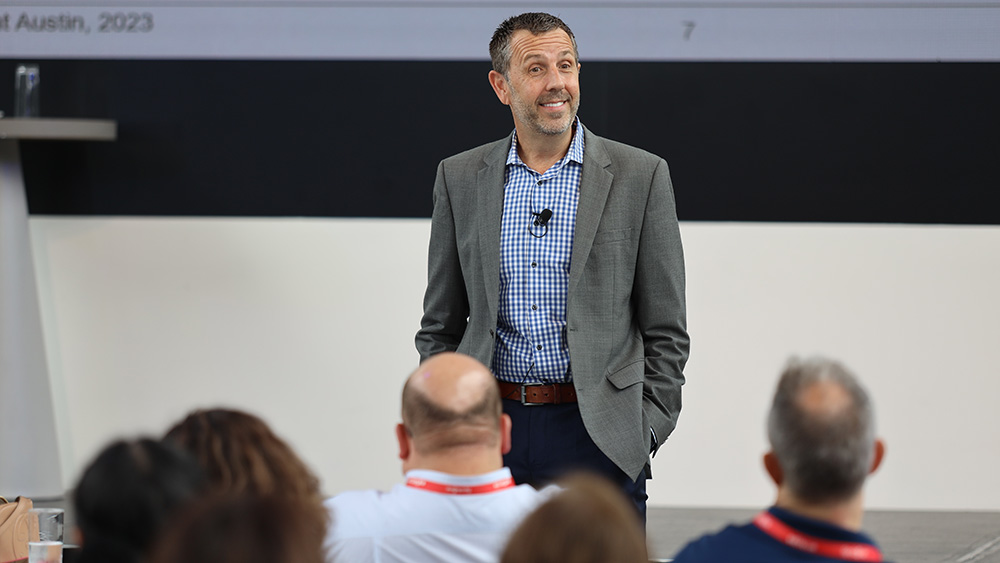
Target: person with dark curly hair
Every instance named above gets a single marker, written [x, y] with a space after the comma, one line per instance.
[244, 529]
[240, 454]
[126, 496]
[589, 522]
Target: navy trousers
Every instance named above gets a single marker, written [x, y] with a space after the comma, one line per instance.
[550, 441]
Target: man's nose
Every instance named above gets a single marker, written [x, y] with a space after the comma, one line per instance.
[556, 79]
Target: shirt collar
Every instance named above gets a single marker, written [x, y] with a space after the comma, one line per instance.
[467, 480]
[819, 528]
[575, 152]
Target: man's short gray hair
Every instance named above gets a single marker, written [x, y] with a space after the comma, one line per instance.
[825, 454]
[535, 22]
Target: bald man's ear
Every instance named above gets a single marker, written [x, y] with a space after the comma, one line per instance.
[403, 437]
[879, 455]
[500, 86]
[773, 468]
[505, 426]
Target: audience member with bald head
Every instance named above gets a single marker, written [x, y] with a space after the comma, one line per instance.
[823, 447]
[458, 502]
[452, 418]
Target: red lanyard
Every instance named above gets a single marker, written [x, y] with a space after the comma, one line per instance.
[505, 483]
[848, 551]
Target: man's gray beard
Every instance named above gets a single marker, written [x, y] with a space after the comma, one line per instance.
[536, 119]
[553, 132]
[541, 128]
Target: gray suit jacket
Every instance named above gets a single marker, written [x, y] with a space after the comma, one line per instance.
[625, 311]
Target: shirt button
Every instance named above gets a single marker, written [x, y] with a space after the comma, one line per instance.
[534, 264]
[540, 182]
[534, 307]
[539, 346]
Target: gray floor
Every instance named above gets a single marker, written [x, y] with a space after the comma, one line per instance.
[905, 537]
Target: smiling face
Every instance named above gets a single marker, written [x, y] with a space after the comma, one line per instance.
[542, 85]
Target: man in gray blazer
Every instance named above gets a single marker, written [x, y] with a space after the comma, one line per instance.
[555, 258]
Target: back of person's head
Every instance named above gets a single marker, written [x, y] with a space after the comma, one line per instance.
[451, 401]
[244, 529]
[240, 454]
[589, 522]
[127, 494]
[822, 430]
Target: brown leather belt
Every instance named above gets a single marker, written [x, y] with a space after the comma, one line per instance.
[538, 393]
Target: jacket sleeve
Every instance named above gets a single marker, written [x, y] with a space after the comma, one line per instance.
[660, 309]
[446, 303]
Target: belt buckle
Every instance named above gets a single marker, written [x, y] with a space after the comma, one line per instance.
[523, 394]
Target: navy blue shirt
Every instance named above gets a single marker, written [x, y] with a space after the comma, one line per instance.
[749, 544]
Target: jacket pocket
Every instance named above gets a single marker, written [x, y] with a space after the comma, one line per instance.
[630, 374]
[612, 235]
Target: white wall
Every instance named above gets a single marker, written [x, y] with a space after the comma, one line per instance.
[309, 323]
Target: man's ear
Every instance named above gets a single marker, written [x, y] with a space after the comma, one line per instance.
[773, 468]
[404, 441]
[879, 455]
[505, 426]
[500, 86]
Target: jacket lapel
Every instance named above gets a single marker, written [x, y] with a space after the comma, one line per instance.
[595, 184]
[490, 181]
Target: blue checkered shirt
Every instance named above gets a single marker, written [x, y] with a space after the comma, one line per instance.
[531, 343]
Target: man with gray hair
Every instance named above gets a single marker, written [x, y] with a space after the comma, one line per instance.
[823, 446]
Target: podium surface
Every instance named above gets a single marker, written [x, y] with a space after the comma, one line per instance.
[58, 129]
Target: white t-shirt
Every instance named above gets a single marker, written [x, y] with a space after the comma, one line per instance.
[422, 521]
